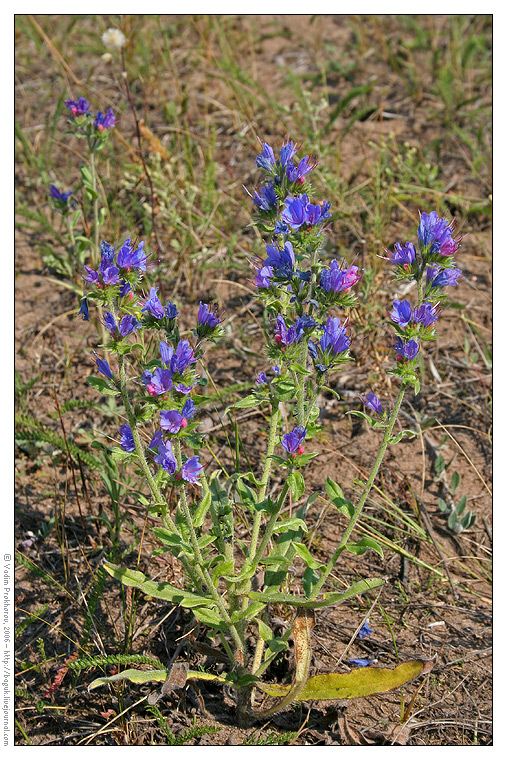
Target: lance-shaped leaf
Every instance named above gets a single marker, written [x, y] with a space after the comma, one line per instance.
[327, 599]
[158, 590]
[359, 683]
[133, 675]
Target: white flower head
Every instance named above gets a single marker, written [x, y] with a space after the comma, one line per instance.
[114, 39]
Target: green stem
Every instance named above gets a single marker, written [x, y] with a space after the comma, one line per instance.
[96, 249]
[362, 500]
[273, 428]
[268, 530]
[202, 569]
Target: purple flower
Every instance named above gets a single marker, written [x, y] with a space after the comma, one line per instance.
[127, 439]
[402, 255]
[78, 107]
[372, 402]
[276, 370]
[110, 322]
[153, 305]
[401, 313]
[294, 213]
[267, 198]
[266, 158]
[126, 287]
[111, 276]
[361, 663]
[286, 153]
[207, 320]
[171, 311]
[435, 235]
[192, 470]
[165, 457]
[103, 367]
[158, 382]
[262, 379]
[129, 258]
[286, 336]
[334, 339]
[280, 259]
[91, 275]
[156, 440]
[263, 277]
[182, 388]
[316, 213]
[183, 357]
[60, 198]
[281, 228]
[172, 421]
[104, 121]
[337, 279]
[128, 324]
[106, 254]
[365, 630]
[425, 314]
[84, 310]
[293, 442]
[295, 173]
[406, 350]
[166, 353]
[442, 278]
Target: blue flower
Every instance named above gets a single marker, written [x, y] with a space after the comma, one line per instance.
[293, 442]
[337, 279]
[266, 158]
[128, 258]
[207, 320]
[128, 324]
[156, 440]
[372, 402]
[286, 153]
[109, 322]
[153, 305]
[406, 350]
[78, 107]
[442, 278]
[334, 338]
[84, 309]
[401, 313]
[157, 382]
[111, 276]
[435, 235]
[298, 173]
[183, 357]
[426, 314]
[165, 457]
[402, 255]
[61, 199]
[172, 421]
[263, 277]
[127, 439]
[365, 630]
[283, 259]
[361, 663]
[267, 199]
[104, 121]
[281, 228]
[262, 379]
[171, 311]
[294, 213]
[103, 367]
[192, 470]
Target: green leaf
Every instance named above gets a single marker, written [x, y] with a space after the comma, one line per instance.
[460, 506]
[455, 481]
[101, 386]
[309, 581]
[305, 555]
[335, 493]
[133, 675]
[403, 434]
[439, 464]
[290, 524]
[296, 484]
[363, 545]
[245, 403]
[296, 367]
[265, 631]
[158, 590]
[442, 506]
[327, 599]
[201, 511]
[362, 682]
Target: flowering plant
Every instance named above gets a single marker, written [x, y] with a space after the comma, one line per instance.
[231, 582]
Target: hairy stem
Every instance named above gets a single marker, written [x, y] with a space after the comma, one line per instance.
[364, 495]
[273, 427]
